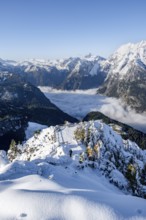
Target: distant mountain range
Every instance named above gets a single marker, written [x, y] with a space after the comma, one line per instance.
[122, 75]
[72, 73]
[72, 163]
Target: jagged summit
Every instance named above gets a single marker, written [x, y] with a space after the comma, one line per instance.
[128, 55]
[125, 48]
[70, 73]
[126, 77]
[122, 75]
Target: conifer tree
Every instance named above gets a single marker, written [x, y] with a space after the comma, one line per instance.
[12, 152]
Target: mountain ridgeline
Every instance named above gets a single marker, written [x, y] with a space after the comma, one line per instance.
[122, 75]
[70, 74]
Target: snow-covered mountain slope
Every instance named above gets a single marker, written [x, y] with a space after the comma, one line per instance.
[127, 75]
[65, 172]
[67, 195]
[72, 64]
[88, 144]
[84, 73]
[71, 73]
[127, 56]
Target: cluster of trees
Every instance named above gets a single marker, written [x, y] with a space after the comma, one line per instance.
[91, 143]
[100, 152]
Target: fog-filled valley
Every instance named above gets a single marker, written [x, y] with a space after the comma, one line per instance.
[80, 102]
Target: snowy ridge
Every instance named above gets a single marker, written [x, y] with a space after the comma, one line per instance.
[92, 144]
[119, 62]
[72, 64]
[56, 183]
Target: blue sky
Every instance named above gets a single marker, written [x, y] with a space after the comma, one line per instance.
[61, 28]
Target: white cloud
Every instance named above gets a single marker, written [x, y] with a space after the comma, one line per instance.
[79, 103]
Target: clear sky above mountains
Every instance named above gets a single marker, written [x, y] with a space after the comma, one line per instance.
[61, 28]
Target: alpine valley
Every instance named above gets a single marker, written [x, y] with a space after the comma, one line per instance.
[122, 75]
[57, 166]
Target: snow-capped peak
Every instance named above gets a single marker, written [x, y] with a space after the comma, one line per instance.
[132, 48]
[128, 55]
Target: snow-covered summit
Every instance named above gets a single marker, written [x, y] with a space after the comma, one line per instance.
[132, 48]
[128, 55]
[127, 75]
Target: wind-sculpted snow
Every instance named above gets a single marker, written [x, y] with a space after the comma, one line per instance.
[34, 197]
[48, 181]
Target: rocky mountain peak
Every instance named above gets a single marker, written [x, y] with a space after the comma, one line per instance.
[127, 75]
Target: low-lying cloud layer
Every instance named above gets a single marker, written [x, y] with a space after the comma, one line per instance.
[79, 103]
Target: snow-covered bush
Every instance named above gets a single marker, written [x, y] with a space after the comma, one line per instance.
[13, 150]
[79, 134]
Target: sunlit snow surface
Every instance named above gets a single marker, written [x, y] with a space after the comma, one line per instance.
[37, 189]
[78, 103]
[66, 197]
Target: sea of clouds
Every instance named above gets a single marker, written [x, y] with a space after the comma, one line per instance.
[78, 103]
